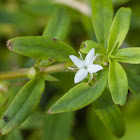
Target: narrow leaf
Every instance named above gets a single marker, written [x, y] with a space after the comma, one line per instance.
[119, 29]
[58, 25]
[41, 47]
[13, 120]
[80, 96]
[87, 45]
[18, 101]
[128, 55]
[14, 135]
[110, 114]
[48, 77]
[133, 81]
[102, 14]
[118, 83]
[58, 126]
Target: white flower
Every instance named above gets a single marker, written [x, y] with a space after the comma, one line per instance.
[85, 66]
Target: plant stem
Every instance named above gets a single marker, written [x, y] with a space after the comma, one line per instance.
[55, 68]
[22, 73]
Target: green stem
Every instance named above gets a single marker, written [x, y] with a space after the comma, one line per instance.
[22, 73]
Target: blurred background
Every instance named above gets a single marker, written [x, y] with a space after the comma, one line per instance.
[29, 18]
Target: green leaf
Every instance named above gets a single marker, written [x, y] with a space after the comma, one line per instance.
[119, 29]
[109, 114]
[41, 47]
[80, 96]
[14, 135]
[18, 101]
[128, 55]
[118, 83]
[58, 25]
[48, 77]
[33, 122]
[15, 115]
[87, 45]
[58, 126]
[102, 14]
[40, 7]
[133, 81]
[99, 132]
[119, 2]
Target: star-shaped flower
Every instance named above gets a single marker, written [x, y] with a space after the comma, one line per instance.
[85, 66]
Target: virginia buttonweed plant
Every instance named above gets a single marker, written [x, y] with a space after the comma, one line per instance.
[104, 67]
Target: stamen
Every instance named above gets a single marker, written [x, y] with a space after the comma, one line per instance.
[72, 68]
[80, 55]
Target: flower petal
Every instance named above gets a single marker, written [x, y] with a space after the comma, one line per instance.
[80, 75]
[77, 62]
[90, 57]
[94, 68]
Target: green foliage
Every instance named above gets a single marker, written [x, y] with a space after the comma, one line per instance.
[23, 104]
[48, 77]
[50, 55]
[58, 127]
[110, 114]
[118, 83]
[119, 29]
[128, 55]
[42, 48]
[58, 25]
[14, 135]
[82, 92]
[87, 45]
[102, 14]
[133, 81]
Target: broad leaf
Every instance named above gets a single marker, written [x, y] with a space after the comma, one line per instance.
[87, 45]
[128, 55]
[58, 25]
[102, 14]
[41, 47]
[119, 29]
[118, 83]
[109, 114]
[80, 96]
[133, 81]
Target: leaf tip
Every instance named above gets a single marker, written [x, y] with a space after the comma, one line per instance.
[83, 45]
[54, 39]
[9, 45]
[49, 111]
